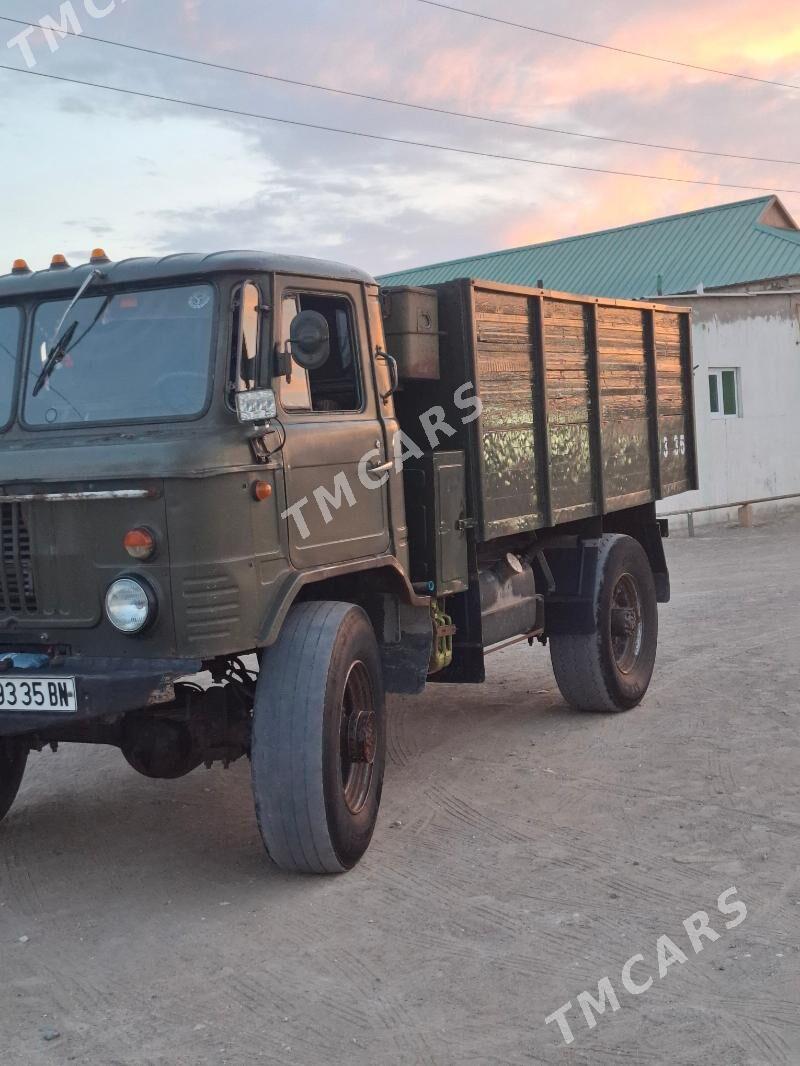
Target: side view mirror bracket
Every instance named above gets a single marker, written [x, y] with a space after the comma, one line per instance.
[394, 373]
[283, 361]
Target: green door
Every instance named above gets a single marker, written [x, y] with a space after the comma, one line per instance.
[335, 457]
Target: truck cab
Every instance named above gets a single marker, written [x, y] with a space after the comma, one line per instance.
[211, 467]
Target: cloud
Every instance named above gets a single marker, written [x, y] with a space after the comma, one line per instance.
[171, 178]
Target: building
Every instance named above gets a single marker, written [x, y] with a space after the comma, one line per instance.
[738, 267]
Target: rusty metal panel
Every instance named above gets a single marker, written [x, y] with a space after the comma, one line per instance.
[675, 425]
[623, 406]
[567, 336]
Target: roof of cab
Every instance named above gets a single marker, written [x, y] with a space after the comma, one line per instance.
[138, 271]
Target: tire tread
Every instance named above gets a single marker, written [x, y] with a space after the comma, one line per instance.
[13, 760]
[578, 658]
[287, 753]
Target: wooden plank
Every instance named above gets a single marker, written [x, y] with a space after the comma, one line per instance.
[504, 367]
[568, 397]
[623, 400]
[676, 414]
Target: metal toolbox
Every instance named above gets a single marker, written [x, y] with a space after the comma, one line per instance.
[436, 513]
[411, 322]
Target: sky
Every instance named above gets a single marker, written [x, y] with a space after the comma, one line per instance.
[83, 167]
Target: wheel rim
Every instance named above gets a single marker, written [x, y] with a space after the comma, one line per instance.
[358, 737]
[627, 624]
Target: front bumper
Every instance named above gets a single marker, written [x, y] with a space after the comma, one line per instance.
[106, 688]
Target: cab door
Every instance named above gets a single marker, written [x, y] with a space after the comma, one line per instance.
[335, 458]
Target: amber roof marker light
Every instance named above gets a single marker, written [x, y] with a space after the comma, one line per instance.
[20, 266]
[59, 262]
[98, 256]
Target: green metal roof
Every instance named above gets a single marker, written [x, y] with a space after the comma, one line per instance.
[725, 245]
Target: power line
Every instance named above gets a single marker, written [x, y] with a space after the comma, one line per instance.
[196, 61]
[608, 47]
[475, 153]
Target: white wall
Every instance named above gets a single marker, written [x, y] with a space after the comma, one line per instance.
[757, 454]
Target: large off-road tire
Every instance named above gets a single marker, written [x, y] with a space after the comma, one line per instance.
[319, 739]
[13, 759]
[610, 668]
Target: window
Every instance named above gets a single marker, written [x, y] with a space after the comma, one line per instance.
[725, 393]
[336, 386]
[134, 356]
[10, 320]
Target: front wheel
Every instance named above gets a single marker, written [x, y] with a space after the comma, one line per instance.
[319, 739]
[610, 668]
[13, 760]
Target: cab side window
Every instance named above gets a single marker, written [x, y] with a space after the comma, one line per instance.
[336, 386]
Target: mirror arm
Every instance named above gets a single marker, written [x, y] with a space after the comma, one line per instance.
[394, 373]
[283, 359]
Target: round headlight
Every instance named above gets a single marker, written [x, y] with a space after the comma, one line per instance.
[129, 605]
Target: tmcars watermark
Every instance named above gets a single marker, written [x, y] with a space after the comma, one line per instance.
[374, 474]
[57, 28]
[668, 953]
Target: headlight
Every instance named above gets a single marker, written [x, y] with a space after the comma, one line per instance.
[129, 605]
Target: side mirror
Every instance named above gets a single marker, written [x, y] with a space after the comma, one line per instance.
[310, 341]
[256, 405]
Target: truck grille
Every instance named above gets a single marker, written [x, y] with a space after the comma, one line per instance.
[17, 589]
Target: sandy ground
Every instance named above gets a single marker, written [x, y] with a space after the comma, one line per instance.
[524, 852]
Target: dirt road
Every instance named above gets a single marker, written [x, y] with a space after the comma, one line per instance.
[524, 853]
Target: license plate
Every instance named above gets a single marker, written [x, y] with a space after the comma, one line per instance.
[38, 695]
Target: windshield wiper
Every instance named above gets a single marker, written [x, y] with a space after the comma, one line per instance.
[61, 344]
[55, 356]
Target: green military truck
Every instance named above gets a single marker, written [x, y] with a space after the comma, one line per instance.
[242, 496]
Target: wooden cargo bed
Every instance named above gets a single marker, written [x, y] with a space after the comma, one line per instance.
[587, 403]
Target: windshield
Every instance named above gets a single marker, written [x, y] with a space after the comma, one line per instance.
[131, 357]
[9, 346]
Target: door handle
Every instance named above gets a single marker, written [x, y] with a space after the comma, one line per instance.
[381, 468]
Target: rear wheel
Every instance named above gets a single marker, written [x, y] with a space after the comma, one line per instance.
[610, 668]
[13, 759]
[319, 742]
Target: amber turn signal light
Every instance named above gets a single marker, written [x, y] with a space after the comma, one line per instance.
[140, 544]
[262, 490]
